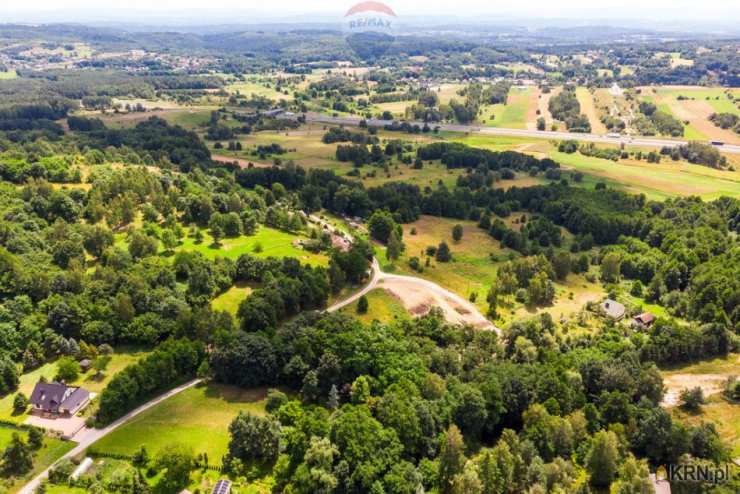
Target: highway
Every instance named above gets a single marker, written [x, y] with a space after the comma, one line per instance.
[538, 134]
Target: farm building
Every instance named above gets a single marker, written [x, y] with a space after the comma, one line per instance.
[613, 309]
[58, 399]
[643, 321]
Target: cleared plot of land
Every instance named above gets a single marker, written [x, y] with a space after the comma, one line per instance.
[657, 181]
[723, 414]
[588, 108]
[397, 108]
[543, 106]
[446, 92]
[199, 417]
[533, 107]
[382, 306]
[709, 375]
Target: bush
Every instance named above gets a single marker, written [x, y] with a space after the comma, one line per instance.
[362, 305]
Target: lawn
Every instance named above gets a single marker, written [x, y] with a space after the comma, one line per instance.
[382, 306]
[10, 74]
[120, 359]
[198, 417]
[52, 450]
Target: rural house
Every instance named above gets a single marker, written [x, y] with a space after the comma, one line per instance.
[58, 399]
[613, 309]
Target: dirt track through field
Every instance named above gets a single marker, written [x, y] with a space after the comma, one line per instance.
[710, 384]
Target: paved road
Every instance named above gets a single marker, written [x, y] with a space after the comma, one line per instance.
[541, 134]
[378, 276]
[86, 437]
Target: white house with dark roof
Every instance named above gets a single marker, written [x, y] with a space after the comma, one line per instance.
[58, 399]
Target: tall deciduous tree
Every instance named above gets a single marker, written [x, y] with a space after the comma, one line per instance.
[451, 459]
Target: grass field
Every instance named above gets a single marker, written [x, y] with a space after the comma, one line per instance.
[230, 299]
[304, 146]
[254, 87]
[266, 242]
[710, 375]
[429, 175]
[10, 74]
[198, 417]
[588, 108]
[382, 306]
[273, 243]
[475, 261]
[656, 181]
[52, 450]
[695, 106]
[513, 114]
[471, 269]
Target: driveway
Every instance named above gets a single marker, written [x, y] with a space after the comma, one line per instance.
[66, 426]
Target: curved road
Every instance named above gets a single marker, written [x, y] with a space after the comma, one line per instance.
[87, 437]
[378, 276]
[541, 134]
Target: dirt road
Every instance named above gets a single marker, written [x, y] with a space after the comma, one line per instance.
[419, 296]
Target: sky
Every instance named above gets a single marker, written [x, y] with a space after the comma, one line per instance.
[722, 11]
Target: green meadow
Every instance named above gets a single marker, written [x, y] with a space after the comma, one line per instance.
[382, 306]
[198, 418]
